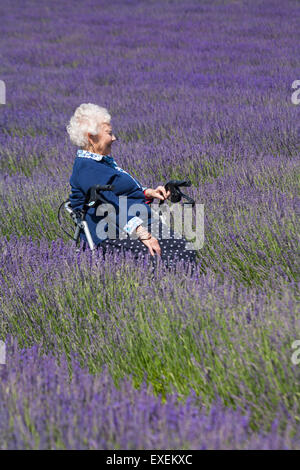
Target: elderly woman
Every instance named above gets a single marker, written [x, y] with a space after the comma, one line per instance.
[90, 129]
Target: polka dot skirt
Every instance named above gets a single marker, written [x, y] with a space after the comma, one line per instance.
[173, 247]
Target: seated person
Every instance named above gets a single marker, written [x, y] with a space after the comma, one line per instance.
[90, 130]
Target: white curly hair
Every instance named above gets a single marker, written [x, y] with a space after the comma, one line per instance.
[87, 118]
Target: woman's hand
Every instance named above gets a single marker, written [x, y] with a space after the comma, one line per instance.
[159, 193]
[150, 242]
[153, 246]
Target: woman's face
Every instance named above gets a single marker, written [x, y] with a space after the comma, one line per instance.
[101, 143]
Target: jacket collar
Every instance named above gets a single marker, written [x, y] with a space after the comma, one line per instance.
[95, 156]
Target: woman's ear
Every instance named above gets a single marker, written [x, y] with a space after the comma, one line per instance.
[90, 137]
[93, 139]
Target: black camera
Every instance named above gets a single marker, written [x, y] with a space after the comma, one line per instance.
[176, 194]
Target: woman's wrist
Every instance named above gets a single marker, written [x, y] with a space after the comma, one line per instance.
[147, 193]
[143, 233]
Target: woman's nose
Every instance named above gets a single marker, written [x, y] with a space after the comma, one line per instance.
[114, 138]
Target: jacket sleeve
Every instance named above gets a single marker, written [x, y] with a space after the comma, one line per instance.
[90, 176]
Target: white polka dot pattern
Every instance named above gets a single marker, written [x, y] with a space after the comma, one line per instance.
[172, 249]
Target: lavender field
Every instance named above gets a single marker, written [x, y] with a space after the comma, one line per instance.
[103, 355]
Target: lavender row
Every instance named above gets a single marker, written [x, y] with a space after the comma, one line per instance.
[42, 408]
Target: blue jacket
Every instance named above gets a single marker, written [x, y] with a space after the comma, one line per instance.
[90, 169]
